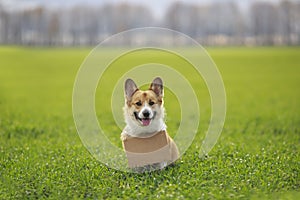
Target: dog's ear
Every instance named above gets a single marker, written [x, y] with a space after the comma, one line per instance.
[157, 87]
[130, 88]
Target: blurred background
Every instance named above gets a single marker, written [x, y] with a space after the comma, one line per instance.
[88, 22]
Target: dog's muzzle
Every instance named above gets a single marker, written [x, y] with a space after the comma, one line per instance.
[145, 120]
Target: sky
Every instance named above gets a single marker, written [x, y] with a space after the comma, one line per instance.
[157, 6]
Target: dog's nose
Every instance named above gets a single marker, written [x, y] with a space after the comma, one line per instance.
[146, 113]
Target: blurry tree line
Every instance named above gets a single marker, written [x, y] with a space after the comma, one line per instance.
[262, 23]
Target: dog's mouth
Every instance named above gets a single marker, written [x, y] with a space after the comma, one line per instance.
[144, 121]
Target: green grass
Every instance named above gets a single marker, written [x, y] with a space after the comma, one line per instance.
[256, 157]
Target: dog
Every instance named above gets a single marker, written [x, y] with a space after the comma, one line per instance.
[144, 114]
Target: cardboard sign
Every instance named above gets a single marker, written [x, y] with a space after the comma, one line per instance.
[147, 151]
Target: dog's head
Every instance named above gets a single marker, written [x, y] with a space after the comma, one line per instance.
[144, 108]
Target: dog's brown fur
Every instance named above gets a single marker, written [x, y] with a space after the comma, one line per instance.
[136, 100]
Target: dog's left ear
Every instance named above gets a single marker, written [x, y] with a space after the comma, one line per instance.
[157, 87]
[130, 88]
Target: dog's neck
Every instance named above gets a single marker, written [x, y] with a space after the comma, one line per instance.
[135, 130]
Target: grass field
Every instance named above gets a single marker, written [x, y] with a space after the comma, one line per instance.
[256, 157]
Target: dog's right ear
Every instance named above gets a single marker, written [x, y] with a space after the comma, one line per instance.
[130, 88]
[157, 87]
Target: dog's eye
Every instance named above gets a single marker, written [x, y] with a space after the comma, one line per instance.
[138, 103]
[151, 103]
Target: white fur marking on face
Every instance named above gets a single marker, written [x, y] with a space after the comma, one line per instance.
[146, 115]
[145, 109]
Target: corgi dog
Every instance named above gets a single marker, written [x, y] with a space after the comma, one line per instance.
[144, 114]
